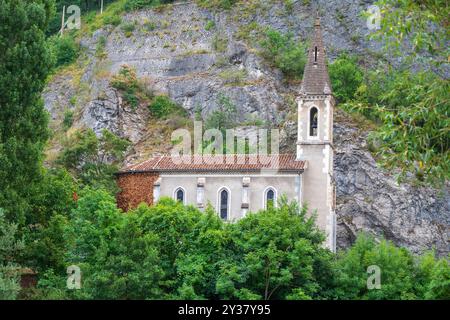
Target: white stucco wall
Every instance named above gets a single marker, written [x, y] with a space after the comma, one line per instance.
[283, 184]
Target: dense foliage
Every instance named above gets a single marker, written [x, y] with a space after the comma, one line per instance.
[284, 52]
[64, 49]
[413, 107]
[171, 251]
[24, 66]
[410, 109]
[9, 269]
[346, 77]
[94, 159]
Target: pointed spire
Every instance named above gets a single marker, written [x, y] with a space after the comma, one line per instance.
[315, 78]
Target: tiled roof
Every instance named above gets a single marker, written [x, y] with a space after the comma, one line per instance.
[316, 79]
[218, 163]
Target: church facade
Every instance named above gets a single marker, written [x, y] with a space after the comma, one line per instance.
[237, 184]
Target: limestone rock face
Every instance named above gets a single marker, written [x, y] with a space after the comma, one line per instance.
[369, 199]
[195, 66]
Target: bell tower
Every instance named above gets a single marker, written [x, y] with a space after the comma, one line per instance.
[315, 137]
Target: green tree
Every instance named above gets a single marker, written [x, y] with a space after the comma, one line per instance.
[117, 259]
[94, 160]
[402, 275]
[276, 254]
[412, 108]
[417, 28]
[224, 117]
[433, 277]
[25, 62]
[9, 269]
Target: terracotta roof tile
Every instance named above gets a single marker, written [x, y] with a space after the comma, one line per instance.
[219, 163]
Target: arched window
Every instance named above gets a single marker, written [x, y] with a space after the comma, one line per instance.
[224, 204]
[313, 122]
[179, 195]
[316, 52]
[270, 198]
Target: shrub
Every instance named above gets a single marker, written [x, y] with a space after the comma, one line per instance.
[131, 5]
[210, 25]
[161, 107]
[10, 248]
[93, 160]
[224, 117]
[219, 4]
[128, 28]
[68, 119]
[346, 77]
[112, 19]
[100, 48]
[65, 50]
[283, 52]
[126, 81]
[149, 25]
[220, 43]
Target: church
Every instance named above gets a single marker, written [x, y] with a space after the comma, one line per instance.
[237, 184]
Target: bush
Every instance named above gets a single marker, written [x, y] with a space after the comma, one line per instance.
[68, 119]
[126, 81]
[131, 5]
[10, 247]
[64, 49]
[224, 117]
[161, 107]
[113, 20]
[220, 4]
[210, 25]
[94, 160]
[403, 276]
[234, 76]
[128, 28]
[346, 77]
[283, 52]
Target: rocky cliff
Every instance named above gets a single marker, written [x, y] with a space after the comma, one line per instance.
[194, 55]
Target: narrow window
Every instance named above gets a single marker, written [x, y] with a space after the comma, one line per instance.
[315, 54]
[179, 195]
[223, 206]
[313, 122]
[270, 199]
